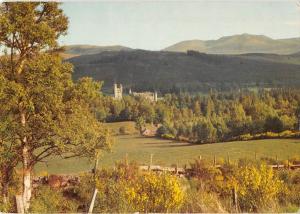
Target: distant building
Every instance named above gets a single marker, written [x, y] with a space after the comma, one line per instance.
[152, 96]
[118, 91]
[149, 133]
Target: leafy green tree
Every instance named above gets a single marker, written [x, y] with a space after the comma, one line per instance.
[8, 157]
[162, 130]
[146, 111]
[205, 131]
[274, 124]
[140, 124]
[209, 106]
[197, 108]
[297, 114]
[48, 113]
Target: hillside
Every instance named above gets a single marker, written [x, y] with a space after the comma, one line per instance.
[239, 44]
[92, 49]
[164, 71]
[290, 59]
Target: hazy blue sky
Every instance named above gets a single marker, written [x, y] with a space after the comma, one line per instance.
[157, 24]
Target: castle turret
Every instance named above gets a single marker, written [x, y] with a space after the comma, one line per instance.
[118, 91]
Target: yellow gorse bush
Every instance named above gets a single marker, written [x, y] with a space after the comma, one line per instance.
[257, 187]
[155, 193]
[128, 190]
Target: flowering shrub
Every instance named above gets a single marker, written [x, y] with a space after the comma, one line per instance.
[127, 190]
[256, 187]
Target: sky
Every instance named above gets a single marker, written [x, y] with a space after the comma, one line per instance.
[154, 25]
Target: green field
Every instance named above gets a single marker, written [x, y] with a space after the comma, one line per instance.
[167, 152]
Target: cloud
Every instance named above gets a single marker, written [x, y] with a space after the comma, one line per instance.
[298, 5]
[293, 23]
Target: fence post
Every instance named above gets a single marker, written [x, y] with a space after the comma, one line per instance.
[93, 201]
[95, 190]
[234, 199]
[228, 160]
[151, 158]
[215, 162]
[126, 160]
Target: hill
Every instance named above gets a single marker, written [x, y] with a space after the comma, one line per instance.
[192, 71]
[92, 49]
[290, 59]
[239, 44]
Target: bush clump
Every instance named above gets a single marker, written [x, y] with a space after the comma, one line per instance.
[125, 189]
[47, 200]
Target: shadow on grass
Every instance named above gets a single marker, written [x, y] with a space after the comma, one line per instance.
[296, 142]
[165, 145]
[171, 144]
[157, 143]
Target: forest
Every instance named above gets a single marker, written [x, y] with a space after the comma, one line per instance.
[171, 72]
[214, 117]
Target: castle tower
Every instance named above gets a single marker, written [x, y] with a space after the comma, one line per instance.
[118, 91]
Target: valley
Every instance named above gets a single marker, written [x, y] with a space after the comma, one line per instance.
[169, 152]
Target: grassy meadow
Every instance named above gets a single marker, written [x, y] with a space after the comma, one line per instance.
[168, 152]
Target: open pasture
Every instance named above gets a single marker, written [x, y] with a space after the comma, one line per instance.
[168, 152]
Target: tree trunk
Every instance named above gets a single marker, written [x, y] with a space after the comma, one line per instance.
[6, 173]
[5, 184]
[26, 168]
[5, 192]
[95, 190]
[26, 179]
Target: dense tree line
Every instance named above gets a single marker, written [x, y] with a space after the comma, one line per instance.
[213, 117]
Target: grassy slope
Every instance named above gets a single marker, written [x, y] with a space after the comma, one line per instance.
[167, 152]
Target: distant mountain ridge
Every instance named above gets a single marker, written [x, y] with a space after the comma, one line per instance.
[92, 49]
[239, 44]
[236, 44]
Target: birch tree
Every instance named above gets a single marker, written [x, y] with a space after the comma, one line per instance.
[48, 113]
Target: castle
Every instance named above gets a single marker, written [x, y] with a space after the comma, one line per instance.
[118, 93]
[152, 96]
